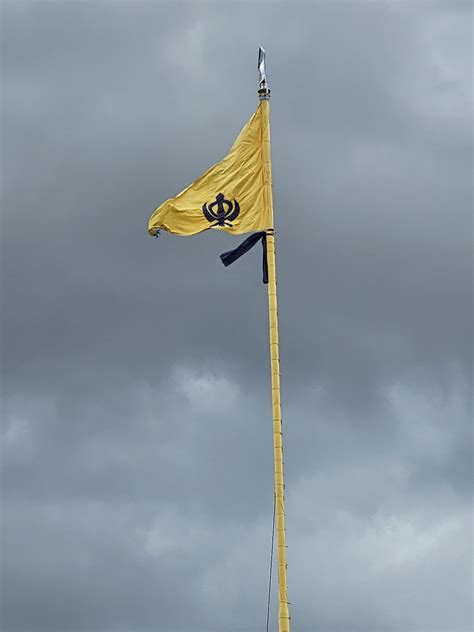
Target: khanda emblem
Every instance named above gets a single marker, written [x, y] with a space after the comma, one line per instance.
[222, 211]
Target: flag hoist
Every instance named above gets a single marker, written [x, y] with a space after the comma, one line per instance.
[235, 195]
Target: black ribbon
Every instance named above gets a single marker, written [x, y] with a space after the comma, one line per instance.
[232, 255]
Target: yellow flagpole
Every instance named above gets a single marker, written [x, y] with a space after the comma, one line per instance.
[283, 610]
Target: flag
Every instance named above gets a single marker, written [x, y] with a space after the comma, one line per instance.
[228, 196]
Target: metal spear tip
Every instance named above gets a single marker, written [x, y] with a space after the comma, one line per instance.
[261, 65]
[264, 91]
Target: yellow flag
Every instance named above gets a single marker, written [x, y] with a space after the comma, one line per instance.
[230, 195]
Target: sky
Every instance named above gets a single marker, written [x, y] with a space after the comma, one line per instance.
[137, 473]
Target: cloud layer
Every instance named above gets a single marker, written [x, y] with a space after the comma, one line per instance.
[137, 461]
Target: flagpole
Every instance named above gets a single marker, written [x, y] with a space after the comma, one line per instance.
[283, 610]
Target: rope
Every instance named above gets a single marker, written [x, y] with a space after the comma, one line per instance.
[271, 562]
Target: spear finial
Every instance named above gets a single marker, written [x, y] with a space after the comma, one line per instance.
[264, 90]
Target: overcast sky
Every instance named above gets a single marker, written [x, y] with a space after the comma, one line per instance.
[137, 463]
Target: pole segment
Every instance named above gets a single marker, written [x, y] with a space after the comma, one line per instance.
[283, 610]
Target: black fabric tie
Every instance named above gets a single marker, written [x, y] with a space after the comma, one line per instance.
[232, 255]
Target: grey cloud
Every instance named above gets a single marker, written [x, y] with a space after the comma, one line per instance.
[137, 467]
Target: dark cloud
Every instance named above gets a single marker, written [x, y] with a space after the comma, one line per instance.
[137, 467]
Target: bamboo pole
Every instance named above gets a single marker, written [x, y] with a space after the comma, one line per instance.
[283, 610]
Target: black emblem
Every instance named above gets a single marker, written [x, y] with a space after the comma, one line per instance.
[221, 217]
